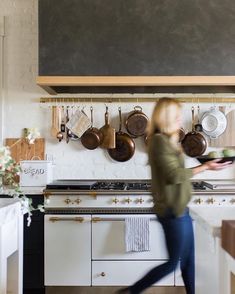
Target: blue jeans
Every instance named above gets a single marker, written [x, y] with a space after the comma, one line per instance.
[180, 244]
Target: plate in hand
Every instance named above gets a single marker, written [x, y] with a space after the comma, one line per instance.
[205, 158]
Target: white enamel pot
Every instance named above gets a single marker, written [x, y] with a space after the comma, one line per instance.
[214, 123]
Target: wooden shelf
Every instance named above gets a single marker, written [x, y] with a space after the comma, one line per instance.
[48, 82]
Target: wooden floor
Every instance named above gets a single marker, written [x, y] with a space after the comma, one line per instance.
[110, 290]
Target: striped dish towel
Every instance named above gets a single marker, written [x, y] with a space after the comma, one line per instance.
[137, 234]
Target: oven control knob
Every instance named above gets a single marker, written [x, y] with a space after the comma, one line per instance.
[115, 200]
[78, 201]
[67, 201]
[198, 201]
[210, 200]
[140, 200]
[232, 201]
[128, 200]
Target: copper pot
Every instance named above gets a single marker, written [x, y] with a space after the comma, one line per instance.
[91, 139]
[136, 122]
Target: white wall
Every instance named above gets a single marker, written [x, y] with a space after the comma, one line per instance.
[21, 108]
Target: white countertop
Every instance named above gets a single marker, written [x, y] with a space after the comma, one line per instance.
[32, 190]
[27, 191]
[9, 209]
[211, 217]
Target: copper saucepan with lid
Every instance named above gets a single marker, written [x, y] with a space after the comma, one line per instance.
[136, 122]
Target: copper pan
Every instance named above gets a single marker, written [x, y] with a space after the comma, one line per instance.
[125, 145]
[92, 138]
[194, 144]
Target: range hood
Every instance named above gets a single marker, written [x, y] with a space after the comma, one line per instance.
[112, 46]
[137, 84]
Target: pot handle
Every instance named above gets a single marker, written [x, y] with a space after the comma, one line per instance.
[192, 118]
[106, 116]
[91, 108]
[120, 119]
[138, 108]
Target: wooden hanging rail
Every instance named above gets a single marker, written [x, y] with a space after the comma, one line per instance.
[135, 99]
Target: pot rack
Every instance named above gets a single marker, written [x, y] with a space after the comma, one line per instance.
[124, 98]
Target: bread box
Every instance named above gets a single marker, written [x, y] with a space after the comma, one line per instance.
[35, 173]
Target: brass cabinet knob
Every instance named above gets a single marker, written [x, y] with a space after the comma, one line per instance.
[115, 200]
[198, 200]
[210, 200]
[67, 201]
[103, 274]
[140, 200]
[78, 201]
[128, 200]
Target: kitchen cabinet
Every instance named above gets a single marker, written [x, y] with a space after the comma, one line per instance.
[33, 267]
[212, 273]
[85, 250]
[67, 250]
[112, 265]
[108, 240]
[11, 246]
[122, 273]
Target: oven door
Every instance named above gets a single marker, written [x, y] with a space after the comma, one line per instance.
[67, 250]
[108, 239]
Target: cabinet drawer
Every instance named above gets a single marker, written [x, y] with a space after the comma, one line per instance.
[121, 273]
[108, 240]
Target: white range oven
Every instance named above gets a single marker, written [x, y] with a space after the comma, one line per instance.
[85, 230]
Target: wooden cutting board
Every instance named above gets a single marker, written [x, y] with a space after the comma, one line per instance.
[22, 150]
[228, 236]
[227, 139]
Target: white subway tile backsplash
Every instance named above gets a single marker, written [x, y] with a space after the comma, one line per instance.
[22, 109]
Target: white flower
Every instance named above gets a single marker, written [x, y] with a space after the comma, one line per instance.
[32, 134]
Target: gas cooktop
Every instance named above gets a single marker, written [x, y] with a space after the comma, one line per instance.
[109, 185]
[98, 185]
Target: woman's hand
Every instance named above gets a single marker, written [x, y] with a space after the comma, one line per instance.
[216, 165]
[211, 165]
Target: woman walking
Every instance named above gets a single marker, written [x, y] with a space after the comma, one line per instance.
[171, 190]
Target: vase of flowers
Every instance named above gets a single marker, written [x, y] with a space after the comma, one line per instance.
[9, 182]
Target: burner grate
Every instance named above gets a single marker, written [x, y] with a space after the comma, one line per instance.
[100, 211]
[198, 186]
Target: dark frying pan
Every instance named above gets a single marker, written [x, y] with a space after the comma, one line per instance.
[91, 139]
[194, 144]
[125, 145]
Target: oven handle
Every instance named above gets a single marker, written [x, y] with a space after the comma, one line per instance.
[62, 219]
[112, 219]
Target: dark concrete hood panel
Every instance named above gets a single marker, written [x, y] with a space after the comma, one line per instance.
[136, 46]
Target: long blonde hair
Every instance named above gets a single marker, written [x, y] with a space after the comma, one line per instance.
[163, 119]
